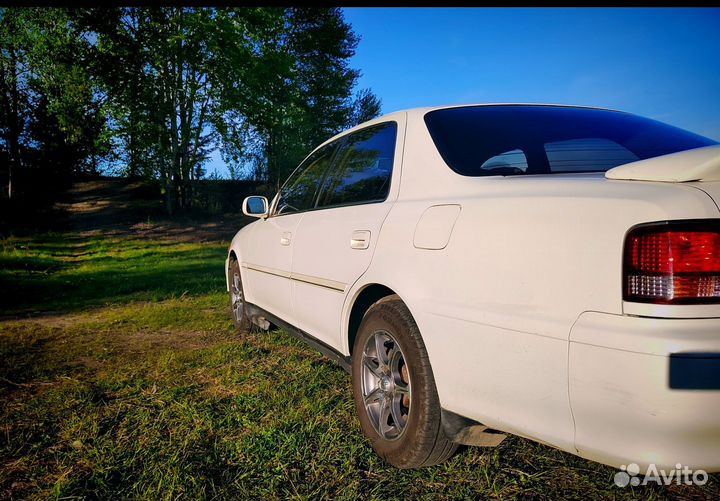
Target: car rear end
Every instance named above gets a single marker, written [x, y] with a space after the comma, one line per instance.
[645, 385]
[644, 348]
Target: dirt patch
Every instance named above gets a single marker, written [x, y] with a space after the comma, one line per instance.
[184, 230]
[145, 341]
[45, 318]
[122, 208]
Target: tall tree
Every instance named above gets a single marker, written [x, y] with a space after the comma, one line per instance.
[46, 91]
[13, 93]
[156, 90]
[365, 107]
[181, 90]
[321, 45]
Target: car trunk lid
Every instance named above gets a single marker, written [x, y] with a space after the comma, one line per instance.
[699, 164]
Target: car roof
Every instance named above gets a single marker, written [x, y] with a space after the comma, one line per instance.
[426, 109]
[418, 113]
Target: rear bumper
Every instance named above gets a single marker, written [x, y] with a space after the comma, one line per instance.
[646, 390]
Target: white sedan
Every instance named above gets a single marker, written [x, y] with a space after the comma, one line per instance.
[547, 271]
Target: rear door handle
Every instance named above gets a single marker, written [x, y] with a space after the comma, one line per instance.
[360, 239]
[285, 238]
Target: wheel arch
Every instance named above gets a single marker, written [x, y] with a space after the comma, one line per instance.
[365, 298]
[231, 255]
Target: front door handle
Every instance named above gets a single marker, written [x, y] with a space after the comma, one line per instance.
[285, 238]
[360, 239]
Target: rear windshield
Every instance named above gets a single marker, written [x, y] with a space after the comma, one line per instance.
[516, 139]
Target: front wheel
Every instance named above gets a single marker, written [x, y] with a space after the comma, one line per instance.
[237, 298]
[394, 388]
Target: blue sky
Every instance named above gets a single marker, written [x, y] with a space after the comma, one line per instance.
[660, 63]
[663, 63]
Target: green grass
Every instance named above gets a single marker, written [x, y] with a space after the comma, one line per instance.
[63, 272]
[137, 387]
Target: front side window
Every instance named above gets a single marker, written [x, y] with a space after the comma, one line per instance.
[526, 139]
[362, 167]
[299, 191]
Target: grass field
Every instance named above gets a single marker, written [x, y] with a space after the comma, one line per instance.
[122, 378]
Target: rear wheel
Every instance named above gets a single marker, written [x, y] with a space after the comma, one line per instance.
[237, 298]
[394, 388]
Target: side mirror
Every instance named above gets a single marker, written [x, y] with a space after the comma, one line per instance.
[255, 206]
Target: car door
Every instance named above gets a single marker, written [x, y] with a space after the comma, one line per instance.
[335, 242]
[268, 256]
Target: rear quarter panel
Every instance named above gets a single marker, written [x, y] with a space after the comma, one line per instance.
[526, 257]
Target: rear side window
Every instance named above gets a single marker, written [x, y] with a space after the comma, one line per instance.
[299, 191]
[362, 168]
[526, 139]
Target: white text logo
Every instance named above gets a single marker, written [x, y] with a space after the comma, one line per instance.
[630, 475]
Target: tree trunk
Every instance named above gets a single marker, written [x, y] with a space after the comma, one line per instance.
[14, 128]
[10, 176]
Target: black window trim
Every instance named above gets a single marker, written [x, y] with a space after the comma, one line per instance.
[333, 144]
[338, 144]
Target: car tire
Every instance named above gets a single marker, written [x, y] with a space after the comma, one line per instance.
[394, 388]
[238, 308]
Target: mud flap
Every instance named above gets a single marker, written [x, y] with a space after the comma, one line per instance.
[466, 431]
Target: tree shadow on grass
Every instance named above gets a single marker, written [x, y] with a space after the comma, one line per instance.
[63, 274]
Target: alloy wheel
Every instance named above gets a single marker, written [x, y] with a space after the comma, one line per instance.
[386, 390]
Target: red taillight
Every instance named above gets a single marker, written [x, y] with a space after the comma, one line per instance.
[674, 262]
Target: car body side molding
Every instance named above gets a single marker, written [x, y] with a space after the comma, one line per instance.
[298, 277]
